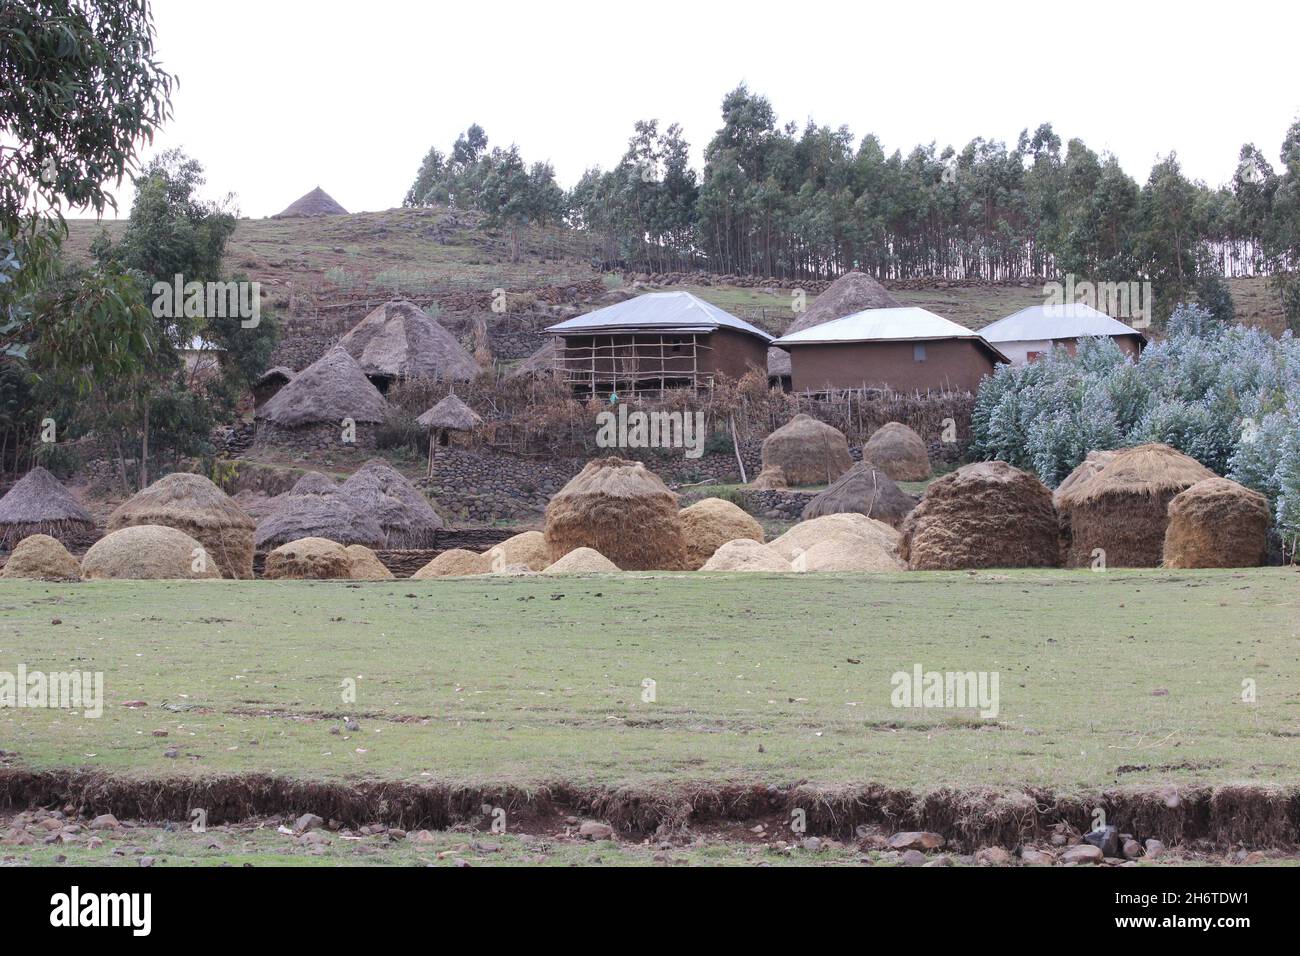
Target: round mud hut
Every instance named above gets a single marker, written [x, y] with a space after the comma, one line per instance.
[711, 523]
[898, 451]
[312, 508]
[405, 516]
[1217, 523]
[39, 504]
[621, 509]
[1120, 514]
[864, 489]
[808, 451]
[986, 515]
[329, 404]
[147, 552]
[193, 504]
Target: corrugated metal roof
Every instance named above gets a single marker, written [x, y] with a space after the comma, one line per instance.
[907, 322]
[1040, 323]
[661, 312]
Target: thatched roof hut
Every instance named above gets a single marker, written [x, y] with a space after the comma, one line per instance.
[621, 509]
[400, 340]
[450, 414]
[850, 293]
[270, 382]
[1122, 511]
[147, 552]
[315, 203]
[986, 515]
[866, 490]
[405, 516]
[544, 361]
[329, 390]
[312, 508]
[899, 452]
[193, 504]
[1217, 523]
[39, 504]
[808, 451]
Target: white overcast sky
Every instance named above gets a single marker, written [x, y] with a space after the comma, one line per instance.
[279, 96]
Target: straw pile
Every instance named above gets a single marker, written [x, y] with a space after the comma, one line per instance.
[453, 564]
[582, 561]
[985, 515]
[746, 554]
[313, 508]
[866, 490]
[1086, 469]
[39, 504]
[147, 552]
[193, 504]
[1217, 523]
[807, 451]
[41, 558]
[709, 524]
[622, 510]
[365, 564]
[871, 543]
[309, 559]
[770, 478]
[526, 550]
[405, 516]
[898, 451]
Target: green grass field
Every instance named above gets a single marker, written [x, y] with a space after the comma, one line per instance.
[1124, 677]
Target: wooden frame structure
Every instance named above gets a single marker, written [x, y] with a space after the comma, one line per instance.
[633, 363]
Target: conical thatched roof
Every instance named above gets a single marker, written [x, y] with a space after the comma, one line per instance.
[450, 413]
[405, 516]
[316, 203]
[401, 340]
[329, 390]
[313, 508]
[850, 293]
[1090, 466]
[278, 373]
[541, 362]
[864, 489]
[314, 483]
[39, 504]
[1147, 470]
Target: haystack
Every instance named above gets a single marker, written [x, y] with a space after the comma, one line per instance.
[709, 524]
[148, 552]
[807, 451]
[745, 554]
[527, 549]
[455, 563]
[1095, 462]
[39, 504]
[622, 510]
[41, 558]
[365, 564]
[405, 516]
[866, 490]
[1122, 511]
[1217, 523]
[850, 293]
[309, 559]
[898, 451]
[399, 340]
[871, 545]
[313, 508]
[325, 393]
[315, 203]
[582, 561]
[193, 504]
[985, 515]
[771, 477]
[846, 553]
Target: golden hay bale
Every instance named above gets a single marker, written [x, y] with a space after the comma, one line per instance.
[40, 557]
[527, 549]
[865, 489]
[808, 451]
[365, 564]
[1217, 523]
[1122, 512]
[746, 554]
[1073, 482]
[846, 552]
[803, 536]
[582, 561]
[147, 552]
[711, 523]
[621, 509]
[309, 559]
[770, 478]
[898, 451]
[194, 505]
[454, 564]
[985, 515]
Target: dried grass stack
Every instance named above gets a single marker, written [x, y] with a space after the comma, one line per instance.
[312, 508]
[1217, 523]
[405, 517]
[309, 559]
[1074, 481]
[527, 549]
[746, 554]
[582, 561]
[622, 510]
[454, 564]
[808, 451]
[898, 451]
[1122, 510]
[39, 504]
[866, 490]
[711, 523]
[366, 565]
[41, 558]
[831, 542]
[193, 504]
[985, 515]
[147, 552]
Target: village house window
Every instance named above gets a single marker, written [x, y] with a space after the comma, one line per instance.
[918, 353]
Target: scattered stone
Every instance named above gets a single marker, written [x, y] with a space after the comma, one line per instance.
[351, 725]
[941, 860]
[993, 856]
[314, 838]
[146, 861]
[915, 840]
[592, 830]
[422, 837]
[396, 834]
[811, 844]
[160, 733]
[1154, 849]
[914, 858]
[308, 821]
[1083, 853]
[1105, 839]
[1132, 849]
[105, 821]
[1031, 857]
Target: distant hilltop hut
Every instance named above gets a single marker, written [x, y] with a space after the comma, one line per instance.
[316, 203]
[1031, 333]
[655, 342]
[850, 293]
[904, 349]
[39, 504]
[270, 382]
[399, 340]
[327, 403]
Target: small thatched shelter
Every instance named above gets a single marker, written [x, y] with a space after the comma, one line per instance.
[309, 559]
[193, 504]
[866, 490]
[1217, 523]
[850, 293]
[808, 451]
[310, 410]
[315, 203]
[270, 382]
[621, 509]
[312, 508]
[898, 451]
[399, 340]
[986, 515]
[39, 504]
[447, 416]
[711, 523]
[1122, 510]
[41, 558]
[405, 516]
[148, 552]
